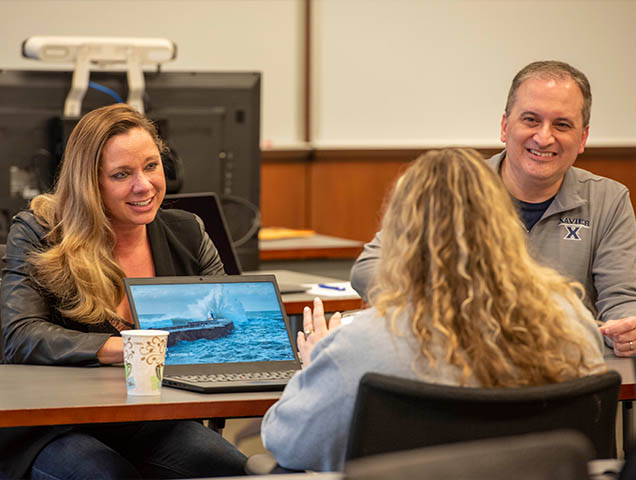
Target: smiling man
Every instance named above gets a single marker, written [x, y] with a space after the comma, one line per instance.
[578, 223]
[544, 129]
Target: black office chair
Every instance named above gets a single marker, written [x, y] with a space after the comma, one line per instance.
[394, 414]
[558, 455]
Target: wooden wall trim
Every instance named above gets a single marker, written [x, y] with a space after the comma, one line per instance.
[341, 191]
[326, 154]
[287, 155]
[411, 153]
[614, 152]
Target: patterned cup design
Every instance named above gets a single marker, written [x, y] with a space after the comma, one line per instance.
[144, 358]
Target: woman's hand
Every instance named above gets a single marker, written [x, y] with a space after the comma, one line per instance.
[112, 351]
[315, 328]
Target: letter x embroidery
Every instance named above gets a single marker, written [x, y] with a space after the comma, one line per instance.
[572, 233]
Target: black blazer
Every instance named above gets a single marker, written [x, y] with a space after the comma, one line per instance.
[179, 245]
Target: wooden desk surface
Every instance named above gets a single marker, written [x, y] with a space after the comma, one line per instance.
[625, 367]
[315, 246]
[295, 302]
[43, 395]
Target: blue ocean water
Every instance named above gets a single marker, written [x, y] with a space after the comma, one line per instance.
[257, 336]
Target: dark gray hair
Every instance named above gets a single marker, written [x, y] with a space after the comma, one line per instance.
[557, 70]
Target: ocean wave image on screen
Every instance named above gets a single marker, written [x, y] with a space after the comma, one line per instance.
[216, 323]
[259, 336]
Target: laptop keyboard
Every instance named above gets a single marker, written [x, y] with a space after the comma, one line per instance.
[236, 377]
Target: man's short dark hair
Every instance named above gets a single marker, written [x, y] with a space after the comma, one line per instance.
[557, 70]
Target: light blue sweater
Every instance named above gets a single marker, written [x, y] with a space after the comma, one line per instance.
[307, 428]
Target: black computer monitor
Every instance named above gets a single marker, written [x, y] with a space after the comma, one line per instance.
[210, 120]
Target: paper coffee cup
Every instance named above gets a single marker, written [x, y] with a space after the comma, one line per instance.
[144, 359]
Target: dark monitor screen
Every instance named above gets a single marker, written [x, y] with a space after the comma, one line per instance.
[210, 121]
[208, 208]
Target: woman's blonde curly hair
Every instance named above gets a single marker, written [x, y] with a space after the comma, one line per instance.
[454, 258]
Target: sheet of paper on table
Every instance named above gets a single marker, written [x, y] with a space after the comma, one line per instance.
[331, 289]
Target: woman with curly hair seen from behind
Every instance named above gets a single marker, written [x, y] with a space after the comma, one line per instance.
[63, 300]
[458, 301]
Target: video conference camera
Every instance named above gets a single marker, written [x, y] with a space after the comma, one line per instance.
[103, 52]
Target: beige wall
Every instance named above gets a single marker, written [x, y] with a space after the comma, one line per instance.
[224, 35]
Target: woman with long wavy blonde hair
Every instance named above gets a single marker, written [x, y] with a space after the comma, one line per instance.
[63, 300]
[457, 301]
[79, 266]
[455, 258]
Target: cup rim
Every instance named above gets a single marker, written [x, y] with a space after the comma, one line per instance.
[144, 333]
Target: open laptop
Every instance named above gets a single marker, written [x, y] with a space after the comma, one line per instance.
[227, 333]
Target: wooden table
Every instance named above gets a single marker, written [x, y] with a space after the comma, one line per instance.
[625, 367]
[315, 246]
[295, 302]
[42, 395]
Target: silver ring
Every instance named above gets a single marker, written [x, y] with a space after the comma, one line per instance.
[308, 332]
[631, 346]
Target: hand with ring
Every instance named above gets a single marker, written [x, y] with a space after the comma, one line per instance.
[315, 328]
[622, 333]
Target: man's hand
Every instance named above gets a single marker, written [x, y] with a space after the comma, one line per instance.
[314, 329]
[623, 333]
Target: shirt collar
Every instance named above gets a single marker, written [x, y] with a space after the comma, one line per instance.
[567, 198]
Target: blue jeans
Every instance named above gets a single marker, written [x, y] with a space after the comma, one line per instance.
[172, 449]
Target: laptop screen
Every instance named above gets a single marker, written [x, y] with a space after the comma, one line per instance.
[218, 322]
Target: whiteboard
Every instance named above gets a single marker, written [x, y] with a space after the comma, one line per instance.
[437, 72]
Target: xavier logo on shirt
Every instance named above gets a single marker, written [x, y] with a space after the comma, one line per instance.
[574, 227]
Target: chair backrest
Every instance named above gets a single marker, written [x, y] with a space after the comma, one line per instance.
[558, 455]
[207, 207]
[394, 414]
